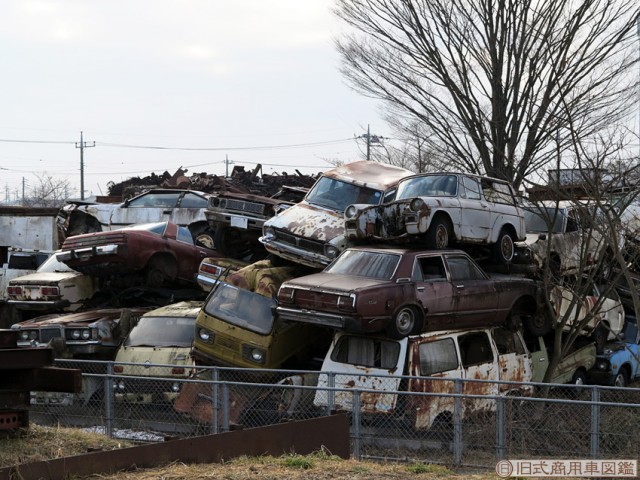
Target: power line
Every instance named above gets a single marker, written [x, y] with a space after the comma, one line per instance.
[214, 149]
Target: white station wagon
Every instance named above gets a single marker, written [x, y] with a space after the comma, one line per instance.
[441, 209]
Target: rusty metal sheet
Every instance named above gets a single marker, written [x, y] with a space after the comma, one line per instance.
[12, 420]
[302, 437]
[25, 358]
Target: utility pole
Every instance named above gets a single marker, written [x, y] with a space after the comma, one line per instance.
[371, 139]
[23, 185]
[227, 162]
[82, 145]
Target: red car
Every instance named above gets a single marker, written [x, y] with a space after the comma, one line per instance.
[405, 292]
[154, 253]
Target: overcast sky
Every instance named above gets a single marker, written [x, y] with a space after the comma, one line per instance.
[183, 76]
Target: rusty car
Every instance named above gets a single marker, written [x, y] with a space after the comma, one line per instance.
[479, 359]
[52, 287]
[237, 219]
[237, 326]
[597, 312]
[157, 352]
[155, 254]
[312, 232]
[573, 368]
[442, 209]
[568, 238]
[183, 207]
[407, 291]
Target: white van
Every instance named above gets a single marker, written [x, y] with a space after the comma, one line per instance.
[434, 359]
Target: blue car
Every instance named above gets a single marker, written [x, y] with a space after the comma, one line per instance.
[619, 364]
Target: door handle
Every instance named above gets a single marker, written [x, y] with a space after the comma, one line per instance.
[420, 289]
[460, 287]
[166, 211]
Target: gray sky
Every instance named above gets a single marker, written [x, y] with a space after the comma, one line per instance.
[184, 75]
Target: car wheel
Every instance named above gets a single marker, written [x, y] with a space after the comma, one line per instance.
[621, 380]
[230, 243]
[161, 270]
[539, 324]
[578, 379]
[407, 321]
[504, 249]
[438, 237]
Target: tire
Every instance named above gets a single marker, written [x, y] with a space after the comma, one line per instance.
[440, 232]
[622, 379]
[160, 271]
[407, 321]
[504, 249]
[539, 324]
[229, 242]
[578, 379]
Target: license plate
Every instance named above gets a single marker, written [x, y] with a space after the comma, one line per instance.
[239, 222]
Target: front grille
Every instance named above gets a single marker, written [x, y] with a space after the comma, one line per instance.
[244, 206]
[47, 333]
[300, 242]
[228, 343]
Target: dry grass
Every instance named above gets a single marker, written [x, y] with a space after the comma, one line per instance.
[41, 443]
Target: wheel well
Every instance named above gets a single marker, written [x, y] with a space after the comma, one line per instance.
[444, 215]
[161, 257]
[627, 369]
[81, 222]
[526, 304]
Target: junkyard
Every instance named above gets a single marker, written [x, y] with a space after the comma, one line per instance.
[453, 289]
[425, 340]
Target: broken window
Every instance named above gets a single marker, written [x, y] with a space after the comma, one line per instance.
[430, 269]
[437, 356]
[367, 352]
[462, 269]
[475, 349]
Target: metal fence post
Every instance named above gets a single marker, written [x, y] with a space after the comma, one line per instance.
[215, 428]
[457, 422]
[500, 429]
[595, 422]
[108, 400]
[331, 394]
[355, 418]
[225, 407]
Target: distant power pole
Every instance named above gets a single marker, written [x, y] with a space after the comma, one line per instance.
[227, 162]
[23, 188]
[370, 140]
[82, 145]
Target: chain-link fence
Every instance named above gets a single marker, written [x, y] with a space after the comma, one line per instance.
[452, 421]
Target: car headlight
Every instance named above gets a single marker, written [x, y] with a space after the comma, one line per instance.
[205, 335]
[175, 387]
[331, 252]
[86, 334]
[24, 335]
[119, 385]
[602, 365]
[416, 204]
[350, 212]
[75, 334]
[269, 233]
[256, 355]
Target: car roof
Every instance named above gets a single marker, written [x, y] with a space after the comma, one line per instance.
[408, 250]
[380, 176]
[472, 175]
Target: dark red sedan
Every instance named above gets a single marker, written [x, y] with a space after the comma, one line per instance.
[405, 292]
[156, 253]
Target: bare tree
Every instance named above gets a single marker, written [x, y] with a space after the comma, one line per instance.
[48, 192]
[496, 81]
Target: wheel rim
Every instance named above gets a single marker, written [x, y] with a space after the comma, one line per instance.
[579, 381]
[619, 380]
[506, 248]
[405, 321]
[442, 236]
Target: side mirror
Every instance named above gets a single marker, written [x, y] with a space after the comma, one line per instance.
[542, 236]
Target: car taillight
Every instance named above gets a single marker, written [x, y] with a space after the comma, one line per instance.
[211, 269]
[118, 369]
[50, 291]
[346, 303]
[14, 290]
[285, 294]
[177, 371]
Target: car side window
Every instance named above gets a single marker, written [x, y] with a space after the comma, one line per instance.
[430, 269]
[437, 356]
[507, 341]
[165, 200]
[462, 268]
[475, 349]
[471, 187]
[184, 235]
[572, 221]
[191, 200]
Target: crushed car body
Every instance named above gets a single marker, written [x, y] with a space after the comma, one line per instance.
[312, 232]
[441, 209]
[406, 291]
[160, 253]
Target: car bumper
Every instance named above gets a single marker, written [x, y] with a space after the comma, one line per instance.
[86, 253]
[342, 322]
[39, 305]
[295, 254]
[237, 221]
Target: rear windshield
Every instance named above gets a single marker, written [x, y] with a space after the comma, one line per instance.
[539, 220]
[241, 308]
[365, 264]
[162, 332]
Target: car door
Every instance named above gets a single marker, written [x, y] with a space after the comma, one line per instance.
[514, 364]
[190, 208]
[475, 298]
[434, 291]
[476, 211]
[149, 207]
[478, 363]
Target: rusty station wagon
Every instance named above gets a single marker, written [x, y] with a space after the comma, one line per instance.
[445, 208]
[405, 292]
[312, 232]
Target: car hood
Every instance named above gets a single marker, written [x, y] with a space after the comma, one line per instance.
[335, 282]
[309, 221]
[44, 278]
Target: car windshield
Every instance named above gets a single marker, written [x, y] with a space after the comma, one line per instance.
[338, 195]
[361, 263]
[428, 186]
[241, 308]
[537, 220]
[53, 265]
[366, 352]
[162, 332]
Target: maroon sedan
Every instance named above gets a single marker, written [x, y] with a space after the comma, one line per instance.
[156, 253]
[405, 292]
